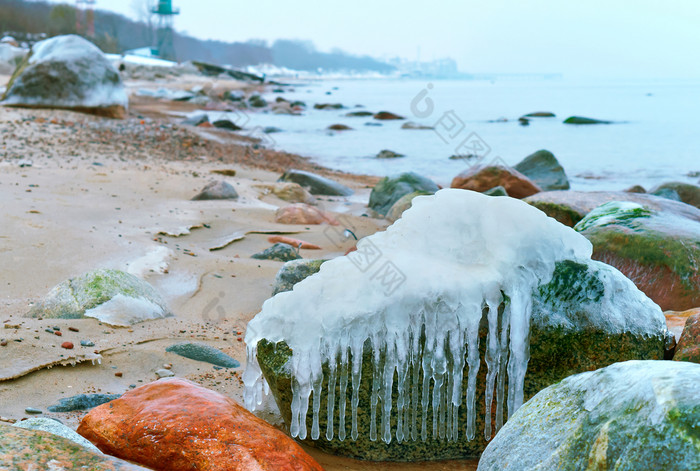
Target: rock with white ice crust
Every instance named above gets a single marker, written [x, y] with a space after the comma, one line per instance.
[110, 296]
[415, 347]
[10, 57]
[628, 416]
[68, 72]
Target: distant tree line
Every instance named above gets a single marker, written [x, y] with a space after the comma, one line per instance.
[115, 33]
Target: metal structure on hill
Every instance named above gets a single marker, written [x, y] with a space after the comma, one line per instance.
[85, 17]
[164, 47]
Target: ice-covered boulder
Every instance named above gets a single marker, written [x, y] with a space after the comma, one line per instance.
[391, 189]
[632, 415]
[416, 346]
[67, 72]
[110, 296]
[659, 251]
[10, 57]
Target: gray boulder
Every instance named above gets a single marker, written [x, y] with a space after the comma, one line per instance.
[628, 416]
[390, 189]
[316, 184]
[82, 402]
[68, 72]
[203, 352]
[685, 192]
[545, 170]
[217, 190]
[293, 272]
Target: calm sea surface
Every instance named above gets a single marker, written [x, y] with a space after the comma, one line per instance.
[656, 137]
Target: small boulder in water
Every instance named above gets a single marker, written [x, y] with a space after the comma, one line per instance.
[540, 114]
[582, 120]
[387, 115]
[68, 72]
[389, 154]
[545, 170]
[339, 127]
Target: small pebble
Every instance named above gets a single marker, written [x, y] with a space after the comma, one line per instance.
[33, 410]
[56, 327]
[168, 366]
[59, 333]
[87, 343]
[118, 374]
[67, 345]
[3, 343]
[73, 329]
[163, 373]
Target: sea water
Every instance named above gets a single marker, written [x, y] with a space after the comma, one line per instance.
[655, 137]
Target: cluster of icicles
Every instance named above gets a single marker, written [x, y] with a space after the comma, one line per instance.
[426, 334]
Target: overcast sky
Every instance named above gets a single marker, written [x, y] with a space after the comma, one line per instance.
[619, 38]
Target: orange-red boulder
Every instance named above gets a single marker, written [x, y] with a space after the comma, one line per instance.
[176, 425]
[688, 348]
[301, 213]
[483, 178]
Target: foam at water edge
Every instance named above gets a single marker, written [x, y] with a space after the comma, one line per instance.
[461, 253]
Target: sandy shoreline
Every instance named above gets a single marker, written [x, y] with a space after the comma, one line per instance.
[81, 192]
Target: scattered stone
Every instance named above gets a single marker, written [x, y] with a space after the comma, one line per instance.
[87, 343]
[387, 115]
[685, 192]
[33, 410]
[293, 272]
[68, 72]
[359, 114]
[688, 348]
[203, 352]
[496, 191]
[56, 428]
[73, 329]
[540, 114]
[3, 343]
[186, 426]
[316, 184]
[81, 402]
[118, 374]
[256, 101]
[582, 120]
[658, 251]
[328, 106]
[373, 124]
[523, 121]
[279, 252]
[300, 213]
[388, 154]
[339, 127]
[163, 373]
[196, 120]
[482, 178]
[415, 126]
[390, 189]
[227, 172]
[635, 189]
[233, 95]
[288, 191]
[402, 204]
[111, 296]
[631, 415]
[544, 170]
[217, 190]
[40, 450]
[271, 130]
[67, 345]
[226, 124]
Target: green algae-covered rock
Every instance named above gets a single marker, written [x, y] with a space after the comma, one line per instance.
[203, 352]
[57, 428]
[583, 319]
[293, 272]
[111, 296]
[279, 252]
[496, 191]
[390, 189]
[545, 170]
[629, 416]
[685, 192]
[659, 251]
[402, 205]
[36, 449]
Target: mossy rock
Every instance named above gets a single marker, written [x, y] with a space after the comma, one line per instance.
[405, 202]
[293, 272]
[628, 416]
[70, 299]
[685, 192]
[569, 334]
[390, 189]
[659, 251]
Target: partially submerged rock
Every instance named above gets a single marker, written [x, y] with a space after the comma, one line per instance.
[56, 428]
[203, 352]
[279, 252]
[316, 184]
[481, 178]
[293, 272]
[387, 115]
[391, 189]
[111, 296]
[176, 425]
[68, 72]
[631, 415]
[540, 114]
[410, 125]
[37, 449]
[339, 127]
[393, 323]
[388, 154]
[659, 251]
[582, 120]
[685, 192]
[545, 170]
[226, 124]
[217, 190]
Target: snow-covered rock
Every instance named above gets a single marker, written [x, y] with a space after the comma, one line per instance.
[68, 72]
[631, 415]
[426, 321]
[10, 57]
